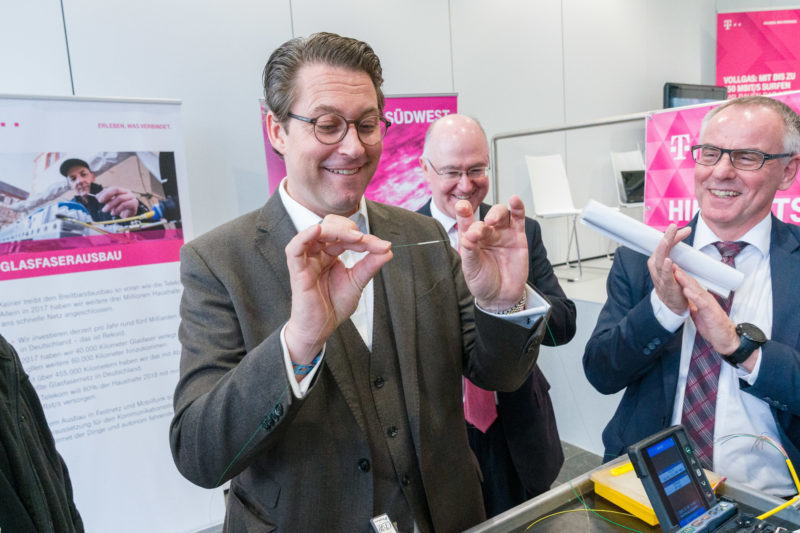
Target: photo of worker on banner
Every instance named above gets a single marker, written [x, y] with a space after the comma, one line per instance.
[118, 208]
[53, 196]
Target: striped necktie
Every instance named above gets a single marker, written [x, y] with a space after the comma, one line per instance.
[700, 396]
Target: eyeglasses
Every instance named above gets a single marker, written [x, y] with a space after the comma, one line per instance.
[331, 128]
[705, 154]
[454, 175]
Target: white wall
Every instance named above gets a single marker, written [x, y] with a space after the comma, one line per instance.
[516, 65]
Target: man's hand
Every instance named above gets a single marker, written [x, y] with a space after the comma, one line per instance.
[712, 322]
[118, 201]
[662, 270]
[494, 254]
[325, 292]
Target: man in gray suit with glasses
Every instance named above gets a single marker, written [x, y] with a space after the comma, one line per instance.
[321, 368]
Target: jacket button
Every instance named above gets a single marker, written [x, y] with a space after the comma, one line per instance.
[363, 465]
[392, 432]
[379, 382]
[406, 481]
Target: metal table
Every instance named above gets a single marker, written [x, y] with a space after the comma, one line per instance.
[562, 498]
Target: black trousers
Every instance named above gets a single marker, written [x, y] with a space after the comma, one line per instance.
[502, 487]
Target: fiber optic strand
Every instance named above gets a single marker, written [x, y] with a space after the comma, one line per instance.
[586, 508]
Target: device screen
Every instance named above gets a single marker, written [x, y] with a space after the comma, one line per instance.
[674, 482]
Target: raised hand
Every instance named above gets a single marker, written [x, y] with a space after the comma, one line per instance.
[662, 270]
[712, 322]
[118, 201]
[494, 254]
[325, 292]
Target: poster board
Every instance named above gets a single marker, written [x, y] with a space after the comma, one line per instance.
[92, 307]
[758, 52]
[669, 180]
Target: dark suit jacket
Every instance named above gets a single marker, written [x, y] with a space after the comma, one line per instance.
[630, 350]
[294, 464]
[529, 422]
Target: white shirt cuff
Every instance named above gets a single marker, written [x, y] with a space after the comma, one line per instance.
[668, 320]
[299, 388]
[750, 378]
[535, 307]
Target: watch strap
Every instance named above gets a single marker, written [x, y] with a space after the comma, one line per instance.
[747, 345]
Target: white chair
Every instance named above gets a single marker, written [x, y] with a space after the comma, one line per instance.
[628, 174]
[552, 197]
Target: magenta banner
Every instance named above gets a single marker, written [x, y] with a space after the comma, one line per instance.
[758, 52]
[669, 182]
[398, 179]
[99, 253]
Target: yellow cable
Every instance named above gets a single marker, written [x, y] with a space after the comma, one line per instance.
[575, 511]
[143, 216]
[794, 475]
[778, 508]
[90, 226]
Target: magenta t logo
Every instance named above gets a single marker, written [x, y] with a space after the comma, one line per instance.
[679, 145]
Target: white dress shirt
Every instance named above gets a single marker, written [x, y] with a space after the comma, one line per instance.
[743, 458]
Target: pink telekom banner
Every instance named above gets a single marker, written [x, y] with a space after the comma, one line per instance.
[398, 179]
[669, 183]
[758, 52]
[97, 253]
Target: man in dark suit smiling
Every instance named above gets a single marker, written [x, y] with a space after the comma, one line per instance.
[519, 452]
[724, 366]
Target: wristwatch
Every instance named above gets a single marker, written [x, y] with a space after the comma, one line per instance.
[750, 339]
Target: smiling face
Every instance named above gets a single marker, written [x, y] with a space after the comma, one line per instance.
[80, 180]
[457, 142]
[327, 178]
[732, 201]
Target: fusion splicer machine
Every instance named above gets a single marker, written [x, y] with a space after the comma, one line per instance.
[679, 491]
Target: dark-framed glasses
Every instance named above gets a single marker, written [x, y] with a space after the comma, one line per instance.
[331, 128]
[472, 173]
[708, 155]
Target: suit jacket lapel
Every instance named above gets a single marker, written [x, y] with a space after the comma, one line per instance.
[426, 209]
[400, 305]
[784, 265]
[275, 230]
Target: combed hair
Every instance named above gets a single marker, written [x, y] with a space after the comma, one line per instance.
[791, 120]
[283, 65]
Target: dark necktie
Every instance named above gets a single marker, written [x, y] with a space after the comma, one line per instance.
[700, 397]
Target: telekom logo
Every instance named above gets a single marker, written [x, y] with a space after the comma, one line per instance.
[679, 145]
[727, 23]
[9, 124]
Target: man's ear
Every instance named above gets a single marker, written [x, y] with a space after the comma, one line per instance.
[276, 133]
[790, 172]
[423, 163]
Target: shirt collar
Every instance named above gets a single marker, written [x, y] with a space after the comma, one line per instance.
[758, 236]
[445, 220]
[303, 218]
